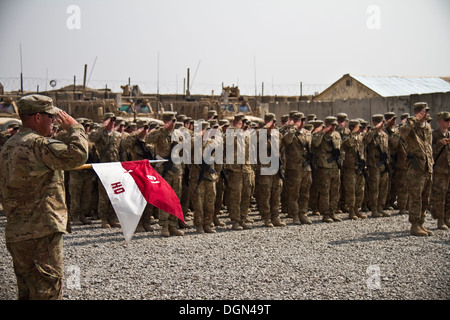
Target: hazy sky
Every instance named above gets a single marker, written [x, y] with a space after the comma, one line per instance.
[282, 42]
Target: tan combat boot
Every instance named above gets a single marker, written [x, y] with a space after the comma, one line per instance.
[140, 228]
[335, 219]
[147, 227]
[236, 226]
[277, 222]
[326, 218]
[165, 231]
[296, 220]
[105, 224]
[416, 230]
[84, 220]
[441, 224]
[268, 223]
[304, 218]
[114, 223]
[352, 215]
[208, 229]
[175, 232]
[384, 213]
[217, 222]
[376, 214]
[200, 229]
[244, 225]
[360, 215]
[429, 232]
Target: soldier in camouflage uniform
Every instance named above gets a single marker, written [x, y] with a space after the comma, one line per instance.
[268, 186]
[327, 144]
[342, 129]
[418, 138]
[135, 145]
[284, 194]
[354, 170]
[34, 198]
[107, 142]
[399, 165]
[80, 185]
[297, 146]
[164, 139]
[377, 148]
[440, 195]
[314, 190]
[239, 174]
[203, 179]
[220, 184]
[391, 131]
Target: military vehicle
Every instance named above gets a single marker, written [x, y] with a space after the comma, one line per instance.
[8, 111]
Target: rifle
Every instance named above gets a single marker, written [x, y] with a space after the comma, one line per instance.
[335, 155]
[146, 153]
[223, 173]
[439, 154]
[383, 160]
[204, 167]
[309, 156]
[361, 163]
[169, 165]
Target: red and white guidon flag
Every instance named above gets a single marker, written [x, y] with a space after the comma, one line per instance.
[130, 186]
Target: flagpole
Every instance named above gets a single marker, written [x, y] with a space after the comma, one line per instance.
[89, 166]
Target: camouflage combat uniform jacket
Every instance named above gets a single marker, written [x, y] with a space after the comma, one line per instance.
[32, 180]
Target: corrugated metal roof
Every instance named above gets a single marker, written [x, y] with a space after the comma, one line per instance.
[400, 86]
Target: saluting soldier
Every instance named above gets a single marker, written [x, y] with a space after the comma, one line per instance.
[376, 141]
[164, 139]
[418, 138]
[354, 170]
[327, 144]
[268, 186]
[107, 143]
[297, 145]
[440, 195]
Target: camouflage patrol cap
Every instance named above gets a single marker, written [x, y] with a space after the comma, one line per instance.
[363, 123]
[168, 116]
[187, 119]
[331, 120]
[389, 115]
[298, 116]
[36, 103]
[444, 115]
[178, 124]
[141, 123]
[205, 125]
[342, 117]
[181, 117]
[212, 113]
[377, 118]
[292, 112]
[108, 115]
[239, 117]
[405, 116]
[354, 122]
[311, 117]
[316, 123]
[419, 106]
[213, 122]
[284, 117]
[224, 122]
[270, 117]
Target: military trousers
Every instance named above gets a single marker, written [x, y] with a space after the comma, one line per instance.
[220, 188]
[329, 184]
[419, 189]
[399, 189]
[203, 196]
[440, 196]
[267, 194]
[81, 184]
[38, 265]
[238, 195]
[378, 187]
[353, 184]
[174, 180]
[298, 185]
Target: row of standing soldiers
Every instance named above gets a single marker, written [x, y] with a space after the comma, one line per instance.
[326, 167]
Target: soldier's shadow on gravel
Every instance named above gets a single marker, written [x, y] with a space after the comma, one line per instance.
[374, 236]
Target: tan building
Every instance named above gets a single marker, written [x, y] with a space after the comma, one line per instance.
[361, 87]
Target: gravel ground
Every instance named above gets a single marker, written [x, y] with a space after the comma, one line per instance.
[372, 259]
